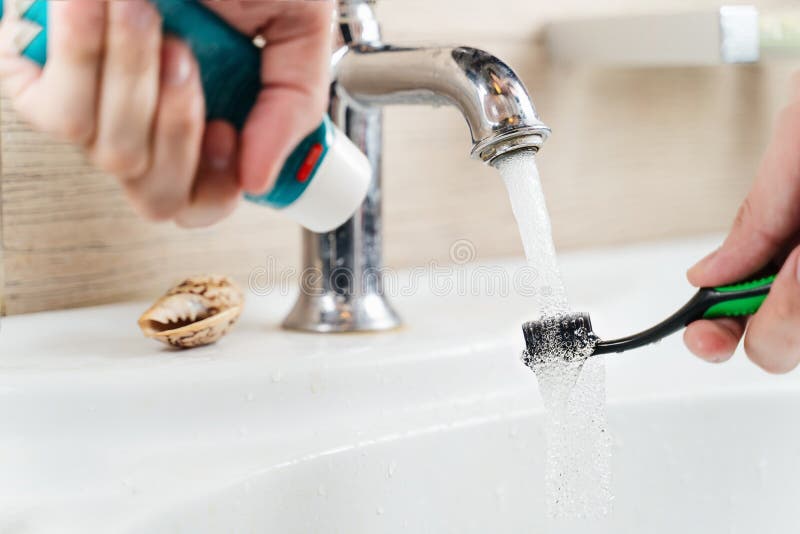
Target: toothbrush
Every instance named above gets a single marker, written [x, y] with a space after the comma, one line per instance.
[574, 334]
[325, 178]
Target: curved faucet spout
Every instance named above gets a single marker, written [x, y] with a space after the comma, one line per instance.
[498, 110]
[346, 292]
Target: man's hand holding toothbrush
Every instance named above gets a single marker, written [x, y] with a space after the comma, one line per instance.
[767, 228]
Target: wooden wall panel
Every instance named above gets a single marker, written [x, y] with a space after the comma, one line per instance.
[70, 238]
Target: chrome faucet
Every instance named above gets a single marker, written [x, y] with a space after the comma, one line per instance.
[342, 284]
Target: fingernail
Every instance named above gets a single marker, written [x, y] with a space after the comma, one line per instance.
[703, 264]
[218, 156]
[138, 13]
[176, 66]
[218, 163]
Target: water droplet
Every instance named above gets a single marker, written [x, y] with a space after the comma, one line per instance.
[379, 510]
[392, 468]
[277, 376]
[321, 491]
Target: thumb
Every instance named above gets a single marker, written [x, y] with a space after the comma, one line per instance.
[295, 74]
[769, 218]
[773, 335]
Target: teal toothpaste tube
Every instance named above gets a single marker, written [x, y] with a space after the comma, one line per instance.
[326, 177]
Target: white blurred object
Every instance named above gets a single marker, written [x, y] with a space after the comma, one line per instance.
[730, 34]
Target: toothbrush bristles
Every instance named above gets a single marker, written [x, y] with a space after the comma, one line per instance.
[558, 338]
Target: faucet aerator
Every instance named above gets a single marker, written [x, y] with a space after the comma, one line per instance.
[516, 140]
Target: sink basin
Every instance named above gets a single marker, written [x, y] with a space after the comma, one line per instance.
[436, 427]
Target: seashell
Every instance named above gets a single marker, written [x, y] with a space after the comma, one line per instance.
[198, 311]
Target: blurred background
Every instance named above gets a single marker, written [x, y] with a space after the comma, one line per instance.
[637, 153]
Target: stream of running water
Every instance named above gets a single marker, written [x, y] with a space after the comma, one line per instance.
[577, 477]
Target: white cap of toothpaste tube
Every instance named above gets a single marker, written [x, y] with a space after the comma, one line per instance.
[323, 182]
[337, 190]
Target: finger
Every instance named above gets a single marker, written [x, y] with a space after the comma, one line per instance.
[770, 215]
[62, 100]
[216, 188]
[247, 16]
[714, 341]
[165, 189]
[773, 338]
[295, 74]
[130, 83]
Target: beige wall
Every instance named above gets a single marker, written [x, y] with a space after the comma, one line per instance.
[635, 154]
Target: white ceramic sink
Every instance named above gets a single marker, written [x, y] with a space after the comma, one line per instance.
[434, 428]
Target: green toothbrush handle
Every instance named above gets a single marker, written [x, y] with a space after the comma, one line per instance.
[737, 300]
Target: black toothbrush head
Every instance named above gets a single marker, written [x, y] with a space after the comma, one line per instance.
[561, 337]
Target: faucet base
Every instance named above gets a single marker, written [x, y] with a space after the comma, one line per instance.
[338, 314]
